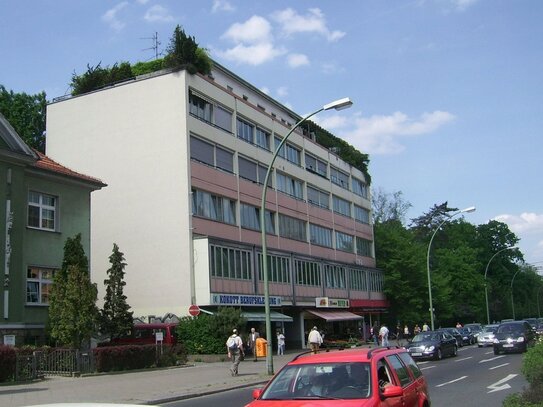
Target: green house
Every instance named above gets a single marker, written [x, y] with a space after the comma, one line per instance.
[42, 203]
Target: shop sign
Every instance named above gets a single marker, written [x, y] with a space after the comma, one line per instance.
[245, 300]
[325, 302]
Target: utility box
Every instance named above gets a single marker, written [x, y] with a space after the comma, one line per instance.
[261, 347]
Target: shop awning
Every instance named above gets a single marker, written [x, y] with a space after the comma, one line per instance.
[260, 316]
[331, 316]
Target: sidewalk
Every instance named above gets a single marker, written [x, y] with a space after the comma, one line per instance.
[144, 387]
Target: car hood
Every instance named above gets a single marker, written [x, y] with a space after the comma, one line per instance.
[422, 343]
[505, 335]
[309, 403]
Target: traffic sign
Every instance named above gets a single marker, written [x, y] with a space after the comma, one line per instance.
[194, 310]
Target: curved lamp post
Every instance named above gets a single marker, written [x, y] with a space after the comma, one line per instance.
[470, 209]
[337, 105]
[512, 301]
[538, 310]
[486, 285]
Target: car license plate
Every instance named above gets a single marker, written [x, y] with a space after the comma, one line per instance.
[416, 354]
[508, 345]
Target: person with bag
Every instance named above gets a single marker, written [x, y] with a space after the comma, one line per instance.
[234, 347]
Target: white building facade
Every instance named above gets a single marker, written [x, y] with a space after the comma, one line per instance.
[184, 157]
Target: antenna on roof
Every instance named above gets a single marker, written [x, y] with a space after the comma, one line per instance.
[156, 43]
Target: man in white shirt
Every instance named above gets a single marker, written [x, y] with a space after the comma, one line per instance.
[383, 333]
[314, 339]
[234, 347]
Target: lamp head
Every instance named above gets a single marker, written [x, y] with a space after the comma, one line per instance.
[470, 209]
[340, 104]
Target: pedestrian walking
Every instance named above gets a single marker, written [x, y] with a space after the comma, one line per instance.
[416, 330]
[314, 339]
[383, 334]
[251, 342]
[425, 327]
[280, 343]
[234, 347]
[406, 333]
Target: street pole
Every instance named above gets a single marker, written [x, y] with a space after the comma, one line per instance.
[512, 300]
[486, 285]
[337, 105]
[470, 209]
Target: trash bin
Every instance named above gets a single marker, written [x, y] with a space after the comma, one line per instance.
[261, 347]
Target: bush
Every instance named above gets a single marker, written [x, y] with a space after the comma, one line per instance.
[532, 365]
[8, 362]
[116, 358]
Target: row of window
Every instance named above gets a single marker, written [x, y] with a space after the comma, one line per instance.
[218, 157]
[236, 263]
[218, 116]
[223, 209]
[38, 285]
[41, 211]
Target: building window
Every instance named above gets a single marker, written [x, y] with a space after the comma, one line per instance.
[292, 228]
[250, 218]
[363, 247]
[288, 152]
[307, 273]
[361, 214]
[344, 242]
[358, 280]
[317, 197]
[223, 118]
[360, 188]
[315, 165]
[210, 154]
[213, 207]
[341, 206]
[41, 210]
[290, 186]
[262, 138]
[339, 178]
[278, 269]
[200, 107]
[247, 169]
[320, 235]
[228, 262]
[39, 282]
[245, 130]
[334, 276]
[375, 281]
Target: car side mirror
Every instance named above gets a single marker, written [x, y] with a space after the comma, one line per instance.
[392, 391]
[257, 393]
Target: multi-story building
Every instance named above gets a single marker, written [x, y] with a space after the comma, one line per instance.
[185, 158]
[42, 204]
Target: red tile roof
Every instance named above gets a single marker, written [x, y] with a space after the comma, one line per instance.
[48, 164]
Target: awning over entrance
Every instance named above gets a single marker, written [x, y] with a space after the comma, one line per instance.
[257, 316]
[331, 316]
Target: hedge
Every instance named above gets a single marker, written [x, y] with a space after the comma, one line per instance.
[8, 361]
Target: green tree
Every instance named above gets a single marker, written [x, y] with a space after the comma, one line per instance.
[116, 318]
[386, 206]
[183, 52]
[72, 308]
[26, 113]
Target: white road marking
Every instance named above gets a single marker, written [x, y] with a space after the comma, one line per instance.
[427, 367]
[496, 367]
[452, 381]
[491, 359]
[460, 360]
[489, 353]
[498, 385]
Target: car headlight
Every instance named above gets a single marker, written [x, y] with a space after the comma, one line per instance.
[430, 348]
[496, 341]
[520, 339]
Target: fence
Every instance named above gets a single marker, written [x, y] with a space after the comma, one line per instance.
[59, 362]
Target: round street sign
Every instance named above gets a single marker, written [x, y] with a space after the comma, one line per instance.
[194, 310]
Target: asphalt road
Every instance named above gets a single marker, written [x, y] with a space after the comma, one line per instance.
[474, 378]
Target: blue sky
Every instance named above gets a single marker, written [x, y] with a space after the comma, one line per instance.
[448, 93]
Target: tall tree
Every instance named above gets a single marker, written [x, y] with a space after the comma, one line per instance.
[72, 308]
[116, 318]
[386, 206]
[183, 52]
[26, 113]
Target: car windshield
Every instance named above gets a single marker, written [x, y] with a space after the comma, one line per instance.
[426, 336]
[490, 329]
[509, 329]
[320, 381]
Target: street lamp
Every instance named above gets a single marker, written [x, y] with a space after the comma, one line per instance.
[512, 301]
[486, 286]
[470, 209]
[337, 105]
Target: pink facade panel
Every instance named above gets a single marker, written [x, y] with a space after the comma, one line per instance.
[223, 285]
[206, 227]
[213, 181]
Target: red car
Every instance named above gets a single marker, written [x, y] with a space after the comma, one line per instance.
[355, 377]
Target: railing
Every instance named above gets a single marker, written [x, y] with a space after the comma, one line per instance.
[59, 362]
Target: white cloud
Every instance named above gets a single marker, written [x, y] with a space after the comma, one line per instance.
[253, 31]
[221, 5]
[313, 22]
[462, 5]
[381, 134]
[252, 54]
[282, 91]
[110, 16]
[526, 222]
[158, 13]
[297, 60]
[331, 68]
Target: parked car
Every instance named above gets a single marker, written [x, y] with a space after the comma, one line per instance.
[468, 337]
[454, 332]
[539, 329]
[513, 336]
[148, 334]
[486, 337]
[432, 344]
[353, 377]
[475, 328]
